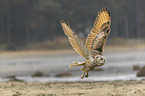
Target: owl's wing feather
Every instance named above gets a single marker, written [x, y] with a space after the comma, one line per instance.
[99, 33]
[76, 42]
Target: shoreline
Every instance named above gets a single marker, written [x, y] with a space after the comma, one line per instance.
[35, 52]
[25, 53]
[96, 88]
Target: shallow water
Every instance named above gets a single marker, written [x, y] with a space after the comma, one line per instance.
[119, 66]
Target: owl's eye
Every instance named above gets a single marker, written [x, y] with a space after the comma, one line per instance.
[97, 57]
[101, 58]
[104, 60]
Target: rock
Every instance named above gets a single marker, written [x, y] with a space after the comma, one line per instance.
[13, 78]
[64, 75]
[10, 76]
[17, 80]
[141, 72]
[136, 67]
[38, 74]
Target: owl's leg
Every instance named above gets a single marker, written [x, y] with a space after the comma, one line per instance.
[78, 64]
[82, 76]
[87, 74]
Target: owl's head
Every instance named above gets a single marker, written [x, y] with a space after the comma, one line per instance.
[99, 60]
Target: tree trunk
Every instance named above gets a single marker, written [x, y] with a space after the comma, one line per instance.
[115, 27]
[9, 28]
[126, 27]
[2, 25]
[137, 19]
[27, 34]
[36, 36]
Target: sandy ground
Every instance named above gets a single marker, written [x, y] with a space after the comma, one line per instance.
[11, 54]
[102, 88]
[113, 88]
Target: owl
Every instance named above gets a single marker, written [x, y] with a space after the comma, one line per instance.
[92, 49]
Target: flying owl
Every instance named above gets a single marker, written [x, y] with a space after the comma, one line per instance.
[93, 48]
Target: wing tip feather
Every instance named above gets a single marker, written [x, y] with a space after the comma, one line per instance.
[102, 17]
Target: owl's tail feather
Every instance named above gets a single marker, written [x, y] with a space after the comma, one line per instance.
[76, 65]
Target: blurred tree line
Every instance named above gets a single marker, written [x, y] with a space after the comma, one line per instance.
[24, 21]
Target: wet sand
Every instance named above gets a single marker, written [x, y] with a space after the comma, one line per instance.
[100, 88]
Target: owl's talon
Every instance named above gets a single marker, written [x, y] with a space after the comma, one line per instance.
[87, 75]
[82, 76]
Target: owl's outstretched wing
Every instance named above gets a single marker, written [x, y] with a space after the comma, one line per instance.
[76, 42]
[97, 38]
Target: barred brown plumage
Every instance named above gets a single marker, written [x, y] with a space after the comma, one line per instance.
[92, 50]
